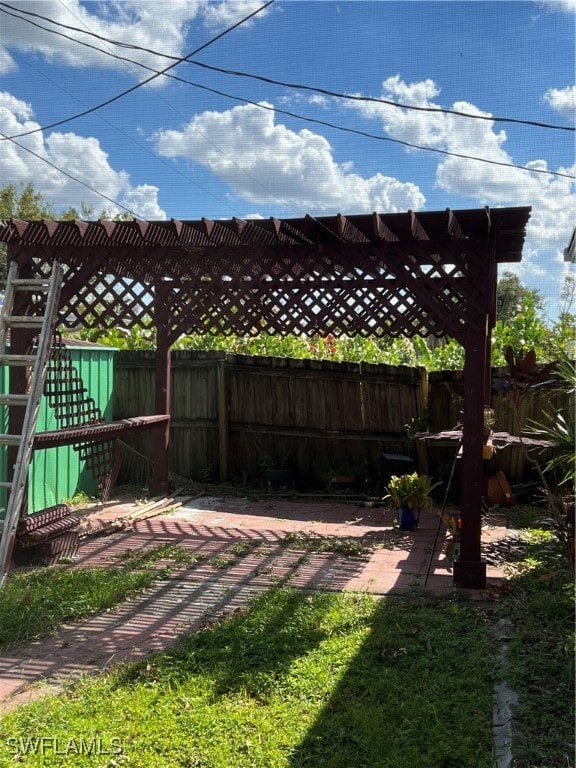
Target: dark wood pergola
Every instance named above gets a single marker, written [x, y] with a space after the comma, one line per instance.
[404, 274]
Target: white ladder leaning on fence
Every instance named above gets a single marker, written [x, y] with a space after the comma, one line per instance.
[37, 361]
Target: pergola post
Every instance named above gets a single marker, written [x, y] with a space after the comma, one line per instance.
[469, 570]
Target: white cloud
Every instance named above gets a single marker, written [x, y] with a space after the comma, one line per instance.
[146, 23]
[228, 12]
[553, 198]
[315, 99]
[563, 100]
[80, 156]
[7, 63]
[143, 200]
[564, 6]
[264, 161]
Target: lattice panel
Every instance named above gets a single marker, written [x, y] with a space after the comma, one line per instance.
[110, 301]
[310, 295]
[383, 274]
[298, 292]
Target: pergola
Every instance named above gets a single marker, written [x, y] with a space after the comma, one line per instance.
[403, 274]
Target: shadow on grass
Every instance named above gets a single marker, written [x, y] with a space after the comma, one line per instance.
[247, 651]
[541, 661]
[372, 683]
[416, 694]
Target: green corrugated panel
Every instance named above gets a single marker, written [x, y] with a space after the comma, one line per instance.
[57, 473]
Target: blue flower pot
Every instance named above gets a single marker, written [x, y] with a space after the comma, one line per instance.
[408, 519]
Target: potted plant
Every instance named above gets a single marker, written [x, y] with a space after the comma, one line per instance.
[342, 477]
[410, 494]
[276, 471]
[488, 421]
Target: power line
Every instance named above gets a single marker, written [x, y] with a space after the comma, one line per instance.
[142, 147]
[316, 121]
[70, 176]
[388, 102]
[171, 106]
[144, 82]
[3, 137]
[272, 81]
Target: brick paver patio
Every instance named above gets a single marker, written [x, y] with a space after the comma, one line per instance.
[191, 597]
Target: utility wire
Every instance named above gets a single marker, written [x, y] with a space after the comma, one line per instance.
[262, 78]
[144, 82]
[316, 121]
[140, 146]
[171, 106]
[3, 137]
[70, 176]
[389, 102]
[288, 113]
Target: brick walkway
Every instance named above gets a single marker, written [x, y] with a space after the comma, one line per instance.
[191, 597]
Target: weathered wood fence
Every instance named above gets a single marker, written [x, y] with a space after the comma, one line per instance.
[231, 412]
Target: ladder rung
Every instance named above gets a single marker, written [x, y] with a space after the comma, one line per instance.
[14, 399]
[5, 484]
[24, 321]
[18, 359]
[28, 284]
[10, 439]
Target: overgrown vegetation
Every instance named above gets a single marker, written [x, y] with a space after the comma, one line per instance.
[557, 476]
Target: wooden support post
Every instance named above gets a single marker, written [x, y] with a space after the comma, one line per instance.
[222, 423]
[160, 483]
[469, 570]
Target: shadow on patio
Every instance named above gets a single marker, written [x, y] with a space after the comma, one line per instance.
[228, 574]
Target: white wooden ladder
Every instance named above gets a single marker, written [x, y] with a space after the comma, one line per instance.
[44, 320]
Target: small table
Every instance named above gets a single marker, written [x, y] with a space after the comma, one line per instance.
[453, 438]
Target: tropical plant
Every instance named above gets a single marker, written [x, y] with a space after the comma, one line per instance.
[557, 475]
[410, 491]
[557, 426]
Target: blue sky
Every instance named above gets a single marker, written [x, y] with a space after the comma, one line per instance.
[173, 150]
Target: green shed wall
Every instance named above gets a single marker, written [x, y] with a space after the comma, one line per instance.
[57, 473]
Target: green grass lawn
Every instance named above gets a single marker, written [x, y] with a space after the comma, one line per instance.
[541, 665]
[307, 680]
[340, 680]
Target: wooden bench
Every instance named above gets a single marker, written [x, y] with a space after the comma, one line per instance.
[46, 536]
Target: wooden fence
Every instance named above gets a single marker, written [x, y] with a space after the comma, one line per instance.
[231, 412]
